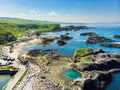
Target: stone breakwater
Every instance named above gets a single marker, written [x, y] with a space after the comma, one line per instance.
[36, 79]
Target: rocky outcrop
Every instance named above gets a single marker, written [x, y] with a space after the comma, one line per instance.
[48, 40]
[68, 28]
[101, 65]
[98, 39]
[9, 37]
[61, 42]
[116, 36]
[65, 37]
[34, 53]
[102, 61]
[111, 45]
[90, 34]
[94, 80]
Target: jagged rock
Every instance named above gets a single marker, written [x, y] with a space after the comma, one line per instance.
[90, 34]
[101, 65]
[67, 33]
[34, 53]
[116, 55]
[61, 42]
[98, 51]
[116, 36]
[93, 81]
[98, 39]
[48, 40]
[9, 37]
[111, 45]
[65, 37]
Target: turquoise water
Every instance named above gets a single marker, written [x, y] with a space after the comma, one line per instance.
[79, 41]
[71, 74]
[4, 80]
[115, 84]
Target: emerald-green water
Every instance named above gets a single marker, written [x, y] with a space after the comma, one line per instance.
[4, 80]
[71, 74]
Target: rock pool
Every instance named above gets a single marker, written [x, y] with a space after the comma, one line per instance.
[71, 74]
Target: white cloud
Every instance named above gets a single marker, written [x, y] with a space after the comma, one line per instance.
[34, 13]
[53, 14]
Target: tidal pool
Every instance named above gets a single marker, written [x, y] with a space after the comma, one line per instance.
[71, 74]
[4, 80]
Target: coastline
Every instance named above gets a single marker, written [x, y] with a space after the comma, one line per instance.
[17, 64]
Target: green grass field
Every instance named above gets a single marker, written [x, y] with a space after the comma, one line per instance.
[19, 27]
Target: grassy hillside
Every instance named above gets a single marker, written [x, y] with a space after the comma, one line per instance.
[22, 21]
[20, 27]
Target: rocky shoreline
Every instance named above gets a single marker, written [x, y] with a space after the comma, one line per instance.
[98, 72]
[37, 80]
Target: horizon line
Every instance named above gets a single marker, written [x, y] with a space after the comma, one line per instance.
[58, 21]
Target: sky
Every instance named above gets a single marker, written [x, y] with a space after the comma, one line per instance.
[90, 11]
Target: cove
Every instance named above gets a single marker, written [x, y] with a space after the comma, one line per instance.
[79, 41]
[71, 74]
[115, 84]
[4, 80]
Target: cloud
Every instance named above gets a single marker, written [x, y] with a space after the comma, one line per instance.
[34, 13]
[53, 14]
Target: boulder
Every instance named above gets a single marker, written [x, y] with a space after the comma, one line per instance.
[61, 42]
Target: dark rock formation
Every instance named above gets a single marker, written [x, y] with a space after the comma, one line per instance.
[9, 37]
[101, 65]
[34, 53]
[65, 37]
[116, 55]
[111, 45]
[98, 39]
[68, 28]
[116, 36]
[98, 73]
[48, 40]
[90, 34]
[94, 80]
[61, 42]
[67, 33]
